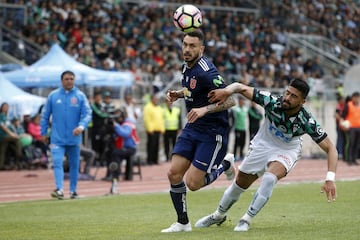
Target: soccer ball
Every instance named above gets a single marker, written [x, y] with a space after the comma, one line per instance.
[345, 125]
[187, 18]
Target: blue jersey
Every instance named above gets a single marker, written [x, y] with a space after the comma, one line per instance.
[68, 110]
[197, 82]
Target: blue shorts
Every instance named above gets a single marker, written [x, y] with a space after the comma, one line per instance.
[205, 150]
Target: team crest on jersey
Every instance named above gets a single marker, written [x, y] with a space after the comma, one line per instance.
[193, 82]
[74, 101]
[295, 127]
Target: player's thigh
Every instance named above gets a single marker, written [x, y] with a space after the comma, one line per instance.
[255, 161]
[281, 162]
[209, 153]
[195, 178]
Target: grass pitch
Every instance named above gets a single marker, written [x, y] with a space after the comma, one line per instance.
[295, 211]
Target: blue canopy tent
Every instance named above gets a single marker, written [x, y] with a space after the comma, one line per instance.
[46, 72]
[20, 102]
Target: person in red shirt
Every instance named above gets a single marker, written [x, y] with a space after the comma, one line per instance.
[340, 139]
[34, 130]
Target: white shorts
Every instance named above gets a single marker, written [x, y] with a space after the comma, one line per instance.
[258, 158]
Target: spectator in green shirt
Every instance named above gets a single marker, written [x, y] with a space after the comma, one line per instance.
[239, 114]
[7, 137]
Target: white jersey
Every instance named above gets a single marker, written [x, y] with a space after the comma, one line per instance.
[280, 137]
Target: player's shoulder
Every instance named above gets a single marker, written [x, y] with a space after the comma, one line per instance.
[306, 116]
[305, 112]
[204, 64]
[55, 93]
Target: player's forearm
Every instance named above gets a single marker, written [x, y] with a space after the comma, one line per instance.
[180, 93]
[332, 155]
[228, 103]
[243, 89]
[332, 160]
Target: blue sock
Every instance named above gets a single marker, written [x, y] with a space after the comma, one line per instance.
[178, 197]
[211, 177]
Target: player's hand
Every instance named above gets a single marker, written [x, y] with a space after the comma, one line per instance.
[172, 96]
[77, 131]
[218, 95]
[196, 113]
[329, 188]
[44, 139]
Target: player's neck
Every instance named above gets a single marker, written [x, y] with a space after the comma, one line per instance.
[190, 64]
[292, 112]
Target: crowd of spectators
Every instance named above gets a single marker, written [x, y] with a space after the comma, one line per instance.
[116, 35]
[119, 35]
[20, 147]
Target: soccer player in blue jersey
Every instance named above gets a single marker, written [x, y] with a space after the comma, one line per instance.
[274, 150]
[200, 150]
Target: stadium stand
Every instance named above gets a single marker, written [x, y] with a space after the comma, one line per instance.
[263, 43]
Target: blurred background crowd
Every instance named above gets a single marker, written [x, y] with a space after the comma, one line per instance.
[262, 43]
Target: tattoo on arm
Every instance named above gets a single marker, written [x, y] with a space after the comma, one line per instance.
[212, 108]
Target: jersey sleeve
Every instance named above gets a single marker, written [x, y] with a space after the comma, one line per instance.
[314, 130]
[263, 98]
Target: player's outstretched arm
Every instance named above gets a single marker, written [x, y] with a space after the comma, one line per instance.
[329, 186]
[220, 95]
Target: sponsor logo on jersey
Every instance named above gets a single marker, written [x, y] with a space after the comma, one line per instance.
[282, 128]
[277, 133]
[265, 93]
[285, 159]
[218, 81]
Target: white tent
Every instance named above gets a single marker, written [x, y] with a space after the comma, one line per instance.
[47, 70]
[352, 80]
[20, 102]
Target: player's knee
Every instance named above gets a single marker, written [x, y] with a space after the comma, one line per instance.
[194, 183]
[269, 180]
[174, 177]
[193, 186]
[244, 180]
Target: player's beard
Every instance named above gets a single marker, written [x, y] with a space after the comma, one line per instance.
[190, 61]
[289, 107]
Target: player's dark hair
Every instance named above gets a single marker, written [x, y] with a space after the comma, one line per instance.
[67, 72]
[300, 85]
[97, 93]
[355, 94]
[196, 33]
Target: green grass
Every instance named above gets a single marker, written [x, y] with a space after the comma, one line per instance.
[296, 211]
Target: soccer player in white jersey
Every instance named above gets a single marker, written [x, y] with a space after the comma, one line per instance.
[274, 150]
